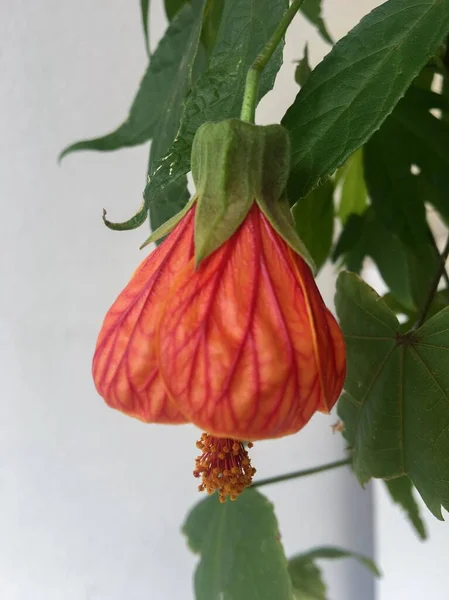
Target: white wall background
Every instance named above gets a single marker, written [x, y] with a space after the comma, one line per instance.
[91, 501]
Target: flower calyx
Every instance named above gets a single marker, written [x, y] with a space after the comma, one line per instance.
[235, 164]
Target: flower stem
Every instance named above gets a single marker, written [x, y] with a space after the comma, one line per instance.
[303, 473]
[253, 78]
[433, 288]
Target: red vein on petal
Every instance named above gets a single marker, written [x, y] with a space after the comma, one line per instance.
[112, 334]
[185, 303]
[115, 330]
[150, 284]
[281, 319]
[200, 345]
[256, 377]
[146, 289]
[250, 319]
[313, 326]
[289, 257]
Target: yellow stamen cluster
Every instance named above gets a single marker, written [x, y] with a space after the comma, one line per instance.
[223, 466]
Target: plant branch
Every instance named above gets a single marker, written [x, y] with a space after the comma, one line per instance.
[445, 274]
[253, 78]
[434, 287]
[446, 278]
[303, 473]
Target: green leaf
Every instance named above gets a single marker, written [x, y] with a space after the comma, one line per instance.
[311, 9]
[144, 10]
[175, 195]
[357, 85]
[163, 87]
[351, 244]
[424, 142]
[410, 135]
[399, 203]
[445, 73]
[440, 301]
[172, 7]
[211, 24]
[393, 190]
[306, 576]
[365, 235]
[398, 308]
[401, 492]
[303, 70]
[395, 406]
[332, 552]
[170, 202]
[245, 27]
[354, 195]
[241, 557]
[161, 232]
[314, 222]
[307, 580]
[133, 223]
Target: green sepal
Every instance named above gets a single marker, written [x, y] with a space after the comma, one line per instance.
[235, 164]
[133, 223]
[280, 217]
[227, 166]
[169, 225]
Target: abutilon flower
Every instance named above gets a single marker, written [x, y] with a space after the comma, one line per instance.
[223, 325]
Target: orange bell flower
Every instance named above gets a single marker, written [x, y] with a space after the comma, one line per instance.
[241, 344]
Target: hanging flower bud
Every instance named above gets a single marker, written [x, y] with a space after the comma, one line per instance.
[223, 325]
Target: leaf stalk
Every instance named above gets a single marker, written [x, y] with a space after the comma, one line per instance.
[302, 473]
[434, 287]
[254, 74]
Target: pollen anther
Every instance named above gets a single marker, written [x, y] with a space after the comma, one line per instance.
[224, 466]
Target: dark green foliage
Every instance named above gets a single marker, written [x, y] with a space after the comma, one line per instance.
[245, 27]
[163, 86]
[401, 492]
[241, 556]
[306, 577]
[311, 9]
[144, 11]
[314, 222]
[357, 85]
[303, 69]
[395, 406]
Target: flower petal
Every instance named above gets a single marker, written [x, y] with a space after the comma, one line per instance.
[125, 366]
[246, 344]
[332, 360]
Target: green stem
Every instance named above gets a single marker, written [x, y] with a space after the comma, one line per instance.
[437, 252]
[303, 473]
[433, 287]
[253, 78]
